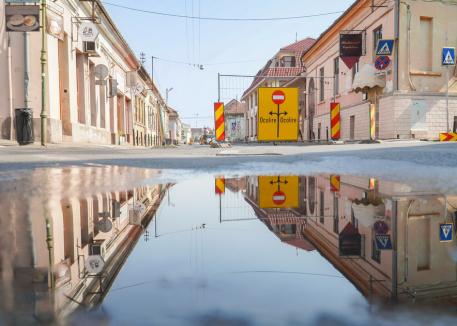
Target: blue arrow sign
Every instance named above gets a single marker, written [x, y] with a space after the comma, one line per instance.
[448, 57]
[383, 242]
[446, 232]
[385, 47]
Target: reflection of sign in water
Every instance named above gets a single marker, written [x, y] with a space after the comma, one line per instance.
[105, 225]
[278, 192]
[278, 114]
[350, 241]
[446, 232]
[381, 227]
[383, 242]
[94, 264]
[335, 183]
[219, 186]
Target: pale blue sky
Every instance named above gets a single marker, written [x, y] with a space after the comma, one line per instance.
[220, 42]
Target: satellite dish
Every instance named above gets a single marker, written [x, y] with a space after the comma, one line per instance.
[105, 225]
[101, 71]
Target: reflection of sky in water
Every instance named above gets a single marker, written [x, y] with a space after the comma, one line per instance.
[186, 274]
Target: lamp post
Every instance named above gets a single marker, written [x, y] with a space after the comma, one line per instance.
[43, 60]
[167, 91]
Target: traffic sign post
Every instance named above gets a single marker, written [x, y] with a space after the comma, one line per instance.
[447, 59]
[278, 114]
[385, 47]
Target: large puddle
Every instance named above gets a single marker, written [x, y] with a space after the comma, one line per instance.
[123, 246]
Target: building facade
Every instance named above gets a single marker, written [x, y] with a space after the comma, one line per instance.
[95, 92]
[408, 98]
[235, 130]
[278, 71]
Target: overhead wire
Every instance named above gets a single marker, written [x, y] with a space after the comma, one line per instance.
[193, 17]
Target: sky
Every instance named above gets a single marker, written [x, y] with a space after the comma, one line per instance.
[225, 47]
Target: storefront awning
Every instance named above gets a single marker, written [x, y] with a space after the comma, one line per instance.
[367, 78]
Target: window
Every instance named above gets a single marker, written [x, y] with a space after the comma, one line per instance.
[321, 207]
[425, 62]
[355, 69]
[377, 35]
[336, 72]
[288, 61]
[322, 84]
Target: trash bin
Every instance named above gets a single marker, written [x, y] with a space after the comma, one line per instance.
[24, 126]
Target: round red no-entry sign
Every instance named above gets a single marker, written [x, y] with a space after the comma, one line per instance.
[278, 97]
[279, 198]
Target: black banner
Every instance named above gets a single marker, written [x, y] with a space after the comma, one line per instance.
[351, 44]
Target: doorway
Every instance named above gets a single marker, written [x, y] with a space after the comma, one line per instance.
[352, 127]
[64, 86]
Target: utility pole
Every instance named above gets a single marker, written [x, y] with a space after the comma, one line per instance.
[43, 60]
[152, 68]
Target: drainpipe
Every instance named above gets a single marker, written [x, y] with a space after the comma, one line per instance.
[397, 38]
[10, 91]
[26, 70]
[413, 88]
[43, 60]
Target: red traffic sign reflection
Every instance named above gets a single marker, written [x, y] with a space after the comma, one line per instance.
[279, 198]
[278, 97]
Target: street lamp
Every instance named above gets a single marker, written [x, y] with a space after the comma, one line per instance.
[167, 91]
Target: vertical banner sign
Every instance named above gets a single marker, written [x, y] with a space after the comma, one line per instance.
[372, 122]
[278, 114]
[335, 120]
[335, 183]
[351, 47]
[219, 121]
[220, 186]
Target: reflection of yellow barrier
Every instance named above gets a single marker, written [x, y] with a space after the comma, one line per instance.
[335, 183]
[372, 122]
[219, 186]
[278, 114]
[278, 192]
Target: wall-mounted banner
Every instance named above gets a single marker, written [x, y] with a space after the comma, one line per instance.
[54, 25]
[278, 114]
[88, 31]
[350, 241]
[23, 1]
[22, 18]
[351, 47]
[219, 121]
[335, 121]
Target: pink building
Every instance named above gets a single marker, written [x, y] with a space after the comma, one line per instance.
[408, 98]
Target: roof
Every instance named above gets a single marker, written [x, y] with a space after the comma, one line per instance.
[298, 48]
[235, 107]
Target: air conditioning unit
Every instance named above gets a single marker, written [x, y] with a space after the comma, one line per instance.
[92, 48]
[97, 248]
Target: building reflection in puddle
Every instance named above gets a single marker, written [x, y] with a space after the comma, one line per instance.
[391, 242]
[68, 234]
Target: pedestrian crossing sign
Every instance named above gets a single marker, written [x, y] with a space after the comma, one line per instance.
[385, 47]
[448, 57]
[383, 242]
[446, 232]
